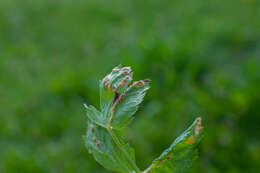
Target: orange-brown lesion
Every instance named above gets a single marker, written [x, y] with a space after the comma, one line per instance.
[106, 82]
[190, 140]
[159, 163]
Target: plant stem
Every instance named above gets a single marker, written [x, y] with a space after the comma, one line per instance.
[116, 140]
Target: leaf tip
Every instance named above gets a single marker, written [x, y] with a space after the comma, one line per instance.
[198, 126]
[139, 83]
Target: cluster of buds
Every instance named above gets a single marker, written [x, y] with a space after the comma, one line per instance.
[118, 80]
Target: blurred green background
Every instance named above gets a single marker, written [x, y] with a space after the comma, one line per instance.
[203, 58]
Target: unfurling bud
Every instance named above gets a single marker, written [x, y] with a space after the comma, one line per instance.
[118, 80]
[123, 83]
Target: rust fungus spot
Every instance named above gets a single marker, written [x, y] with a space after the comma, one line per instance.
[169, 157]
[97, 142]
[199, 121]
[190, 140]
[107, 85]
[147, 80]
[139, 83]
[123, 82]
[159, 163]
[106, 82]
[198, 127]
[124, 72]
[115, 69]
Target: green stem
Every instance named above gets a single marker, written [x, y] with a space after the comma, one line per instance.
[116, 140]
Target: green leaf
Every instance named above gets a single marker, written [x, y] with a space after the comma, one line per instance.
[105, 151]
[115, 82]
[179, 157]
[118, 97]
[95, 116]
[127, 107]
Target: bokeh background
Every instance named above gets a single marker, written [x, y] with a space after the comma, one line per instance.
[203, 58]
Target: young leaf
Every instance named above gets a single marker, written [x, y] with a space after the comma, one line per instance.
[95, 116]
[115, 82]
[118, 100]
[179, 156]
[131, 99]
